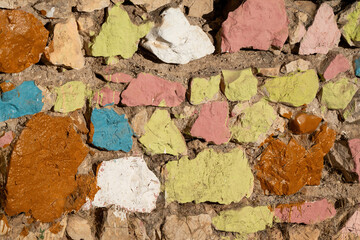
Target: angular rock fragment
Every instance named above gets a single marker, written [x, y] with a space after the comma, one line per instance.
[57, 230]
[23, 100]
[323, 35]
[118, 78]
[198, 8]
[352, 111]
[349, 22]
[91, 5]
[204, 90]
[354, 145]
[299, 65]
[127, 183]
[4, 225]
[162, 136]
[337, 95]
[6, 86]
[304, 123]
[138, 122]
[176, 41]
[284, 169]
[22, 40]
[308, 212]
[110, 130]
[295, 89]
[244, 220]
[297, 32]
[65, 49]
[41, 179]
[106, 96]
[299, 232]
[115, 226]
[55, 9]
[213, 123]
[245, 27]
[239, 85]
[255, 121]
[191, 227]
[71, 96]
[269, 72]
[151, 5]
[337, 65]
[85, 23]
[118, 35]
[11, 4]
[148, 89]
[6, 139]
[210, 177]
[351, 230]
[79, 228]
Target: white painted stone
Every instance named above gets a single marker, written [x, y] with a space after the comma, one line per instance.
[127, 183]
[176, 41]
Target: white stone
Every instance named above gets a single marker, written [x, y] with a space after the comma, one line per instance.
[79, 228]
[127, 183]
[176, 41]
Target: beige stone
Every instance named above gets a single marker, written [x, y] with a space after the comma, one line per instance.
[66, 47]
[304, 233]
[85, 23]
[198, 8]
[151, 5]
[138, 122]
[79, 228]
[92, 5]
[116, 226]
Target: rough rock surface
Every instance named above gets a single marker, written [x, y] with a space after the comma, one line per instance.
[151, 5]
[106, 96]
[162, 136]
[176, 41]
[22, 40]
[349, 20]
[11, 4]
[351, 230]
[245, 27]
[118, 35]
[127, 183]
[148, 89]
[71, 96]
[323, 35]
[23, 100]
[91, 5]
[215, 175]
[299, 232]
[79, 228]
[110, 130]
[203, 90]
[337, 65]
[51, 144]
[118, 77]
[298, 65]
[66, 46]
[338, 94]
[6, 139]
[354, 145]
[213, 123]
[198, 8]
[55, 9]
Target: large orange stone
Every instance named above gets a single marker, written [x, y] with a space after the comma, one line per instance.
[22, 40]
[42, 177]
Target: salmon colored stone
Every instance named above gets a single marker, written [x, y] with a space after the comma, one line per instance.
[42, 177]
[337, 65]
[22, 40]
[304, 123]
[284, 169]
[6, 139]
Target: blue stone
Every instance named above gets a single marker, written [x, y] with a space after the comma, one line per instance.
[357, 67]
[24, 100]
[111, 130]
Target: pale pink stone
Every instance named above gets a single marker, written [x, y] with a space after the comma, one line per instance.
[323, 34]
[308, 213]
[337, 65]
[354, 145]
[256, 23]
[106, 96]
[147, 89]
[6, 139]
[213, 123]
[118, 78]
[352, 225]
[297, 34]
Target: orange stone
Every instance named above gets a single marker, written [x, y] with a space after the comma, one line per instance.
[42, 178]
[6, 86]
[304, 123]
[22, 40]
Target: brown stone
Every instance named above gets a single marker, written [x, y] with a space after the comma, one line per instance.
[298, 232]
[42, 177]
[304, 123]
[22, 40]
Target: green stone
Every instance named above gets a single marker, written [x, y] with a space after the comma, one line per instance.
[203, 90]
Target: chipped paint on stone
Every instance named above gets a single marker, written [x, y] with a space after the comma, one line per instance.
[24, 100]
[106, 96]
[210, 177]
[255, 121]
[162, 136]
[118, 78]
[118, 35]
[110, 130]
[71, 96]
[204, 90]
[295, 89]
[127, 183]
[244, 220]
[337, 95]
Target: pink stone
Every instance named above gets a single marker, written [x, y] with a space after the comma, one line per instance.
[323, 34]
[337, 65]
[256, 23]
[118, 78]
[106, 96]
[308, 212]
[213, 123]
[6, 139]
[352, 225]
[354, 145]
[148, 89]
